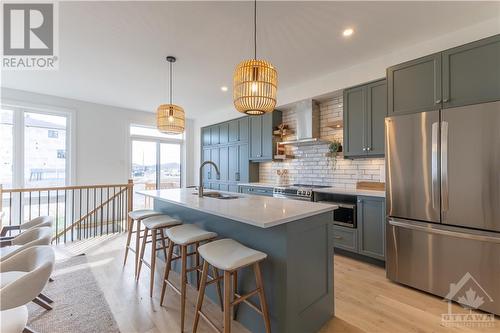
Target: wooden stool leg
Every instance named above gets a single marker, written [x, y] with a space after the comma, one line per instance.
[183, 284]
[163, 243]
[227, 302]
[215, 273]
[197, 263]
[235, 291]
[129, 237]
[137, 240]
[262, 297]
[167, 270]
[143, 249]
[154, 234]
[201, 295]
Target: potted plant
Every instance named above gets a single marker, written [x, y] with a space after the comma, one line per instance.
[335, 148]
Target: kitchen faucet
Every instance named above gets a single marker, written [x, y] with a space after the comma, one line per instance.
[200, 189]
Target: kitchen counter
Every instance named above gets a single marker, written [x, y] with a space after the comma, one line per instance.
[336, 190]
[332, 190]
[260, 211]
[297, 237]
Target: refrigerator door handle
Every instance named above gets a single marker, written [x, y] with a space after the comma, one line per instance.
[444, 166]
[435, 166]
[445, 231]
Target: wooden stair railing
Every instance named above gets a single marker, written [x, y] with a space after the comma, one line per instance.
[79, 211]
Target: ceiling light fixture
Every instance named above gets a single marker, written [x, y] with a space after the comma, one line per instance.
[224, 88]
[348, 32]
[170, 117]
[255, 82]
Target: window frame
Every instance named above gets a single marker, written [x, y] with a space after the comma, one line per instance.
[158, 141]
[18, 132]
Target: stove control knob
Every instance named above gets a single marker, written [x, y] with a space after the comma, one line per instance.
[308, 193]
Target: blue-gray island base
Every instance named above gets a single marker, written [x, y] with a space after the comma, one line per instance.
[298, 273]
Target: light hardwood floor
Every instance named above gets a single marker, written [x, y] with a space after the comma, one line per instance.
[365, 301]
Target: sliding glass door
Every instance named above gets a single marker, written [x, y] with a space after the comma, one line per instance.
[170, 165]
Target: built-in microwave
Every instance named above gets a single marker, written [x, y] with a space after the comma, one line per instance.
[344, 215]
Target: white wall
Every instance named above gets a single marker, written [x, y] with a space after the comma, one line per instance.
[358, 74]
[101, 139]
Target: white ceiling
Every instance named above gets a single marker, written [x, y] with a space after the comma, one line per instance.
[114, 52]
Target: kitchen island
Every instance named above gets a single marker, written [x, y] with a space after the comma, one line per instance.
[297, 237]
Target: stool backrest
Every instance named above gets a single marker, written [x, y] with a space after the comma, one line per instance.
[40, 221]
[38, 262]
[30, 238]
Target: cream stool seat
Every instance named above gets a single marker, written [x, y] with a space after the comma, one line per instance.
[160, 221]
[14, 320]
[188, 234]
[228, 255]
[140, 214]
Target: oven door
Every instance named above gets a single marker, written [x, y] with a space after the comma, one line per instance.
[344, 215]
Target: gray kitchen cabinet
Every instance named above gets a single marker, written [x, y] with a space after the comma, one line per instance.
[262, 141]
[205, 136]
[224, 163]
[233, 188]
[224, 133]
[415, 86]
[206, 169]
[471, 73]
[214, 135]
[365, 109]
[371, 227]
[238, 163]
[243, 124]
[234, 131]
[345, 238]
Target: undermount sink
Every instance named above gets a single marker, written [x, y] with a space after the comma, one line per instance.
[218, 195]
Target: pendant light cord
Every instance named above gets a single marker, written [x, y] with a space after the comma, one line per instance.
[170, 82]
[255, 29]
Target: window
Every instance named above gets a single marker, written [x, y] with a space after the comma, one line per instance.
[33, 147]
[156, 161]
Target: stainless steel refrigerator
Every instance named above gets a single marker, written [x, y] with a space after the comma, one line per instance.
[443, 201]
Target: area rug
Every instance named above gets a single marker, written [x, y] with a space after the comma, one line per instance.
[79, 304]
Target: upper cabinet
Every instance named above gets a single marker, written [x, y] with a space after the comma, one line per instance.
[468, 74]
[262, 142]
[365, 108]
[229, 132]
[415, 86]
[471, 73]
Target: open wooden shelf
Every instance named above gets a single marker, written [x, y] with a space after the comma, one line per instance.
[283, 157]
[337, 124]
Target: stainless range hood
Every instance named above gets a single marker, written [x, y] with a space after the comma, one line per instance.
[307, 126]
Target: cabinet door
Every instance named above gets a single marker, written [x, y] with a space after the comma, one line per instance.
[243, 124]
[234, 188]
[206, 169]
[354, 121]
[243, 174]
[267, 136]
[371, 227]
[214, 157]
[471, 73]
[214, 135]
[224, 163]
[375, 117]
[205, 133]
[415, 86]
[234, 133]
[255, 137]
[233, 163]
[223, 187]
[224, 133]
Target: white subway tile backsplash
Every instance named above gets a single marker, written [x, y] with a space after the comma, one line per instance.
[310, 164]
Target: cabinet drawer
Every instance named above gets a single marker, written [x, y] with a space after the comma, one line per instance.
[345, 238]
[266, 191]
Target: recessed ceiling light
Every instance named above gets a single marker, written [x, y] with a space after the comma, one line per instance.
[224, 88]
[347, 32]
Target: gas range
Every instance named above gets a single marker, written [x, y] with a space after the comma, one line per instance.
[296, 191]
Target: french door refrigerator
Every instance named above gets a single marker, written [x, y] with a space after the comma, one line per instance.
[443, 201]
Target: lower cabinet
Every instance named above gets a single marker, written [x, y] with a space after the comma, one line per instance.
[368, 239]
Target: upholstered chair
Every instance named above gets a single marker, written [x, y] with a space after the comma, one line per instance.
[41, 221]
[27, 239]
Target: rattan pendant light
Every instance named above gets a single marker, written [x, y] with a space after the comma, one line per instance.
[170, 117]
[255, 82]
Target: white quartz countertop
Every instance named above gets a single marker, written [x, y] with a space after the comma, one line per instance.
[256, 210]
[332, 190]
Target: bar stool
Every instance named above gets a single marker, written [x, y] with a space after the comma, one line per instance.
[156, 225]
[184, 236]
[136, 216]
[230, 256]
